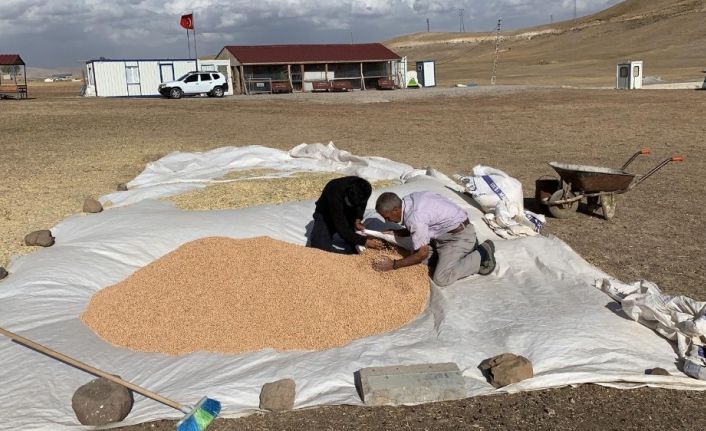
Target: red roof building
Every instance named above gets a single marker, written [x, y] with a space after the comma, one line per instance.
[12, 70]
[11, 60]
[273, 68]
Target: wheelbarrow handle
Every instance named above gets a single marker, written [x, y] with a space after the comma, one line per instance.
[656, 168]
[642, 152]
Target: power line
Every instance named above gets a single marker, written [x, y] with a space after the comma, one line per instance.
[497, 51]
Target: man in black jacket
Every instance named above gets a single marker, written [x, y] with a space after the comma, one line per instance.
[340, 210]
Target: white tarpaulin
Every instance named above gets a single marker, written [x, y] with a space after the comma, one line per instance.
[540, 303]
[180, 172]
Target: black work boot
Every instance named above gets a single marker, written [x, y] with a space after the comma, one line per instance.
[487, 257]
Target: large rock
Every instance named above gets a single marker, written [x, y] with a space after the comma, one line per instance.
[278, 396]
[92, 206]
[409, 384]
[41, 238]
[3, 273]
[506, 369]
[101, 402]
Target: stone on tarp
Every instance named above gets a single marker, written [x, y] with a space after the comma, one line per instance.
[122, 187]
[101, 402]
[506, 369]
[92, 206]
[658, 372]
[41, 238]
[3, 273]
[278, 396]
[405, 384]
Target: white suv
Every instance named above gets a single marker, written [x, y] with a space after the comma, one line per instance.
[212, 83]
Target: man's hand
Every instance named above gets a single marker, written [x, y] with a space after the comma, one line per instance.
[374, 243]
[359, 225]
[384, 264]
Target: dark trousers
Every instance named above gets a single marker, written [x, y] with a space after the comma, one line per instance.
[321, 236]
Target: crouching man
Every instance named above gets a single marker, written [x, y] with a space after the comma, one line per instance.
[433, 220]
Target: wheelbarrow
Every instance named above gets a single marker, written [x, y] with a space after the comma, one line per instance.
[599, 186]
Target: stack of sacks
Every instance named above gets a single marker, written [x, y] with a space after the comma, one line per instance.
[500, 197]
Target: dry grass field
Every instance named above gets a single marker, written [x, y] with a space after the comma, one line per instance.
[57, 149]
[667, 34]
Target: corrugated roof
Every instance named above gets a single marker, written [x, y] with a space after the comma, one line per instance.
[10, 60]
[294, 54]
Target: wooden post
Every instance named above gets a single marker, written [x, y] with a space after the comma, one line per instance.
[301, 70]
[242, 79]
[289, 74]
[362, 77]
[24, 72]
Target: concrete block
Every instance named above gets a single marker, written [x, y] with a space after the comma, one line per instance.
[408, 384]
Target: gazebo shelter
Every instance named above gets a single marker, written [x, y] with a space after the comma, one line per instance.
[12, 71]
[285, 68]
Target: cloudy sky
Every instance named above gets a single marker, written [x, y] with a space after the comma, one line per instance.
[60, 33]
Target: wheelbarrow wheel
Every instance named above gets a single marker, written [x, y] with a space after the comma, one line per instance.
[562, 210]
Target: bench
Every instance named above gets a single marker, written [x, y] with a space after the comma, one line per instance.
[320, 86]
[17, 91]
[386, 84]
[281, 87]
[341, 85]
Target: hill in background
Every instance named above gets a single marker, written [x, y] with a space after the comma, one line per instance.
[668, 35]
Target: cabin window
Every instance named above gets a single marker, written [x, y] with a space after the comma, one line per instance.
[133, 74]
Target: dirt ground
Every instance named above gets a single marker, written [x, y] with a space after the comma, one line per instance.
[56, 151]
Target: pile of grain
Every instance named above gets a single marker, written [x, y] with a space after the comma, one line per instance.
[246, 191]
[226, 295]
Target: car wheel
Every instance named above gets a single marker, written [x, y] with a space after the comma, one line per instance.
[218, 91]
[175, 93]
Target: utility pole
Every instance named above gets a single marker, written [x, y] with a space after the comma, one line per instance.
[461, 26]
[574, 9]
[427, 25]
[497, 51]
[551, 19]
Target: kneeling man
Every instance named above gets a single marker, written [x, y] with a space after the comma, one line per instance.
[433, 219]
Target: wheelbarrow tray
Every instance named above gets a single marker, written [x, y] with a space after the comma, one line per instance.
[593, 179]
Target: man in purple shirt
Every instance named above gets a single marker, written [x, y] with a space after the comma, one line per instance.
[431, 219]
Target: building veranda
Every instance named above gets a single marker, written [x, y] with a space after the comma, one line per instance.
[287, 68]
[13, 77]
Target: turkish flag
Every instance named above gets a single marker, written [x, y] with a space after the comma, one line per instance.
[187, 21]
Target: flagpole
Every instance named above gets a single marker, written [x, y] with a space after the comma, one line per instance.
[193, 25]
[188, 41]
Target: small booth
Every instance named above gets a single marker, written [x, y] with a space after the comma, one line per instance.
[13, 77]
[426, 73]
[629, 75]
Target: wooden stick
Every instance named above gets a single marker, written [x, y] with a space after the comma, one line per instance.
[92, 370]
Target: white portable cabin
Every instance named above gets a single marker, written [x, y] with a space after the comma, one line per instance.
[426, 73]
[629, 75]
[134, 78]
